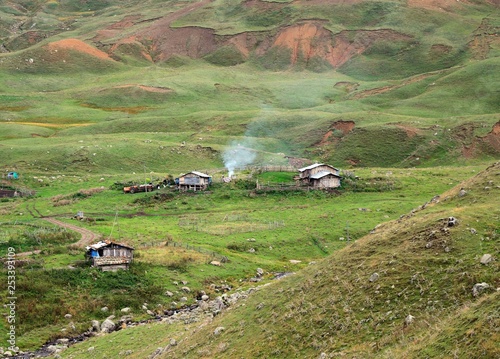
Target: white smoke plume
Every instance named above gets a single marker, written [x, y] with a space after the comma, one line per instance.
[238, 155]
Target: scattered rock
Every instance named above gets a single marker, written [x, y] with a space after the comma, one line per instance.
[169, 293]
[186, 289]
[260, 306]
[251, 239]
[473, 231]
[96, 326]
[435, 199]
[173, 342]
[184, 299]
[373, 277]
[215, 263]
[184, 282]
[68, 316]
[486, 258]
[452, 222]
[51, 348]
[462, 192]
[125, 310]
[90, 349]
[104, 309]
[144, 307]
[260, 272]
[478, 288]
[62, 341]
[295, 261]
[409, 319]
[151, 313]
[251, 250]
[219, 330]
[107, 326]
[205, 297]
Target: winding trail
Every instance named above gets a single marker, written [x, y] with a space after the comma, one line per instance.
[87, 236]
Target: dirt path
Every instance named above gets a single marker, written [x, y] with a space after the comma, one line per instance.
[87, 236]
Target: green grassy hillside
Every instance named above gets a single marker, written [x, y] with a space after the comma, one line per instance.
[402, 95]
[134, 68]
[338, 306]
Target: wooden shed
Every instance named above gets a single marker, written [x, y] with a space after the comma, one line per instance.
[194, 181]
[110, 256]
[325, 179]
[306, 172]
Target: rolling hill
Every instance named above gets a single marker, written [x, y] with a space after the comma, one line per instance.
[418, 80]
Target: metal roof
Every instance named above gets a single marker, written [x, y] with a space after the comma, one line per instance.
[310, 167]
[199, 174]
[316, 165]
[323, 174]
[102, 244]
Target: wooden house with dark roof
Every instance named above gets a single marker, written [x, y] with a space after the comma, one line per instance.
[110, 256]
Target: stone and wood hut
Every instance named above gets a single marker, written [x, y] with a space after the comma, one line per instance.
[324, 179]
[306, 172]
[320, 175]
[195, 181]
[110, 256]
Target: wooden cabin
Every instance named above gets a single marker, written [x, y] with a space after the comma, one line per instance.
[325, 179]
[110, 256]
[194, 181]
[320, 175]
[306, 172]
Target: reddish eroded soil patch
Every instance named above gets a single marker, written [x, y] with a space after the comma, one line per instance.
[306, 40]
[474, 145]
[165, 41]
[78, 45]
[126, 22]
[343, 126]
[115, 29]
[310, 39]
[485, 38]
[493, 138]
